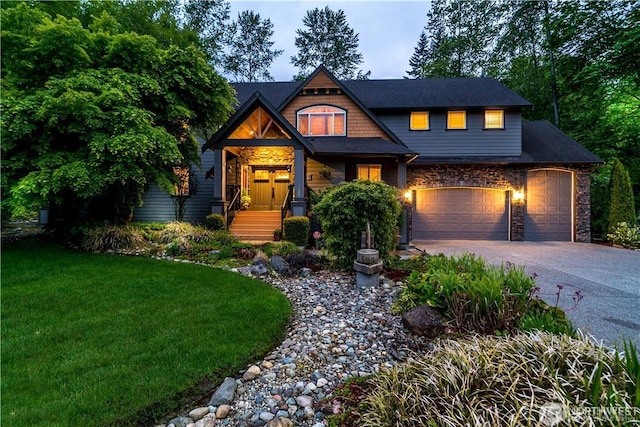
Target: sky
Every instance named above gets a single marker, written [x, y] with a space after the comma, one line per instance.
[388, 31]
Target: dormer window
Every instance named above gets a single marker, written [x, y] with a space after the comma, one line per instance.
[494, 119]
[322, 120]
[456, 119]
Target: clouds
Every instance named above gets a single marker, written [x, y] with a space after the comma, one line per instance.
[388, 31]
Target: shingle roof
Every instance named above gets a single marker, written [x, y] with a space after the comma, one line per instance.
[405, 93]
[358, 146]
[435, 93]
[542, 143]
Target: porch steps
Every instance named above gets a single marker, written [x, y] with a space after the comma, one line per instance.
[255, 225]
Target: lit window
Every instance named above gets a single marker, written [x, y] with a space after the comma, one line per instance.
[419, 120]
[456, 120]
[494, 119]
[370, 172]
[322, 120]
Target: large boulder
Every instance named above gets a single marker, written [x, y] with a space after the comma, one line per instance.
[424, 321]
[225, 393]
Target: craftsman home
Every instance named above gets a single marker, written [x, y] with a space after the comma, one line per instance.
[469, 166]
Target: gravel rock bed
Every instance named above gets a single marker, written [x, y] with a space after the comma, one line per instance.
[338, 331]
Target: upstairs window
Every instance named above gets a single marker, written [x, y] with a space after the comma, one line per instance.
[494, 119]
[322, 120]
[370, 172]
[419, 120]
[456, 119]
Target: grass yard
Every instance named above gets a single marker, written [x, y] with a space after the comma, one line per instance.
[96, 340]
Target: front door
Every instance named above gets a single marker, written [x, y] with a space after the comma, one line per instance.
[269, 188]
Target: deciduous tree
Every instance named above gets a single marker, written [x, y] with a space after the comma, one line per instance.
[328, 40]
[91, 115]
[250, 48]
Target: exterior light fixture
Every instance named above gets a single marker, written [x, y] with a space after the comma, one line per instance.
[407, 196]
[518, 196]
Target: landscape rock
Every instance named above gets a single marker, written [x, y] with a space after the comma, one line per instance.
[423, 321]
[222, 411]
[225, 393]
[280, 422]
[279, 265]
[198, 413]
[251, 373]
[181, 421]
[259, 269]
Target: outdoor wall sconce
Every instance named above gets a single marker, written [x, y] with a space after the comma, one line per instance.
[408, 196]
[518, 196]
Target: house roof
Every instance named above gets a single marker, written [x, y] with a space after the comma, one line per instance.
[403, 93]
[542, 143]
[358, 146]
[255, 101]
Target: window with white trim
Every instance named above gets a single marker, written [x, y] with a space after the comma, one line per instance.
[322, 120]
[494, 119]
[456, 119]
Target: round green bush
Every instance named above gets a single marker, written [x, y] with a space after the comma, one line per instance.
[344, 211]
[296, 230]
[214, 222]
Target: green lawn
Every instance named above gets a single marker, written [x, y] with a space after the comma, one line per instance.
[93, 339]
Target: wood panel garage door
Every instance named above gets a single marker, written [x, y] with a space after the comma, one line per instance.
[461, 214]
[548, 207]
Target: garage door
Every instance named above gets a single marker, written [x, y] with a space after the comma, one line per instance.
[461, 214]
[548, 208]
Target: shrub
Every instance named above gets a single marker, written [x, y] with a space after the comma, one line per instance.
[112, 238]
[621, 206]
[344, 211]
[296, 230]
[214, 222]
[282, 248]
[625, 235]
[504, 381]
[473, 295]
[177, 230]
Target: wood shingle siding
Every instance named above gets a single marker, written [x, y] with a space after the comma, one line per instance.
[473, 141]
[358, 123]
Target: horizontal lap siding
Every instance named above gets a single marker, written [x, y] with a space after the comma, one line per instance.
[474, 141]
[157, 205]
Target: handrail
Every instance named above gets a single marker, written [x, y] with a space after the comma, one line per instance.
[233, 205]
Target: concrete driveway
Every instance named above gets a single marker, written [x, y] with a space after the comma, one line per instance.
[607, 277]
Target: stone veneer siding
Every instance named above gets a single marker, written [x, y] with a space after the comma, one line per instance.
[508, 178]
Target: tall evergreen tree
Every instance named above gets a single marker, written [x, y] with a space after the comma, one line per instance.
[419, 57]
[621, 204]
[208, 18]
[328, 40]
[250, 48]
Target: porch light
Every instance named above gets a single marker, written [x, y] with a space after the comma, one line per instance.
[518, 196]
[407, 196]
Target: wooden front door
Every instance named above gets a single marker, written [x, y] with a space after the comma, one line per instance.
[269, 188]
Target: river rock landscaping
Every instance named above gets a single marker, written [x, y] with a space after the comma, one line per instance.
[338, 331]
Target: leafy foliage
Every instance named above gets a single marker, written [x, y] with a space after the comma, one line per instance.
[462, 382]
[621, 206]
[345, 210]
[327, 40]
[215, 222]
[250, 48]
[92, 114]
[473, 295]
[296, 230]
[625, 235]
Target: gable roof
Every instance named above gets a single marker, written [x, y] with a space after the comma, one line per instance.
[401, 93]
[542, 143]
[256, 100]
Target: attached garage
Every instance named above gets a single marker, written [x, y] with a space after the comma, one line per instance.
[548, 207]
[461, 214]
